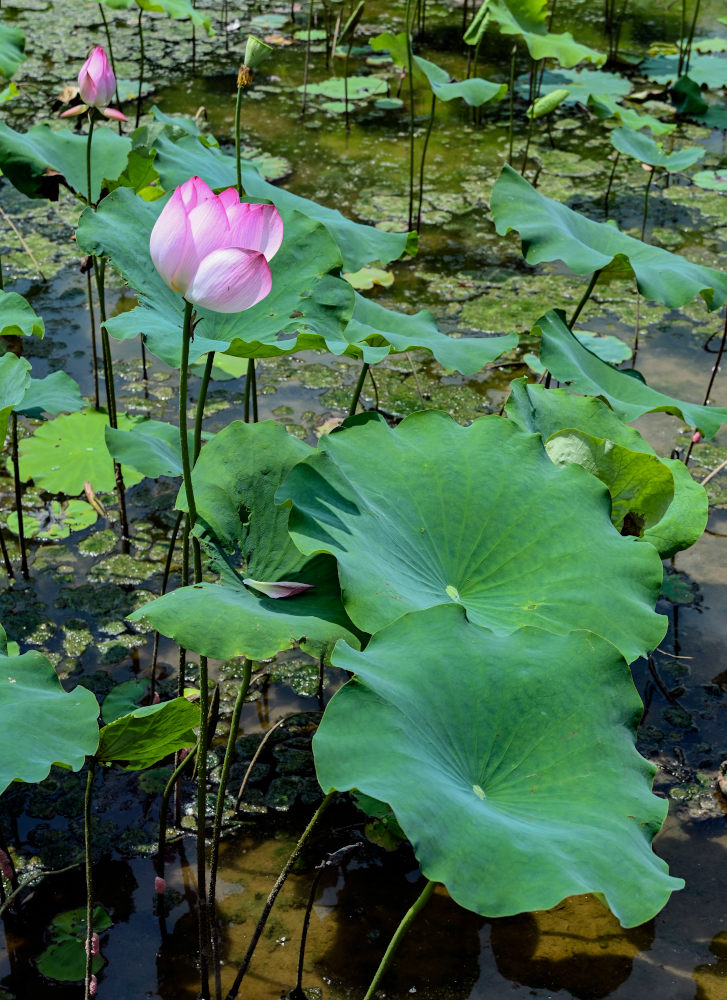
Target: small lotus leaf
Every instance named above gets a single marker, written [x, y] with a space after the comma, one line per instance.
[359, 87]
[55, 520]
[714, 180]
[433, 513]
[528, 788]
[69, 451]
[527, 18]
[65, 958]
[551, 231]
[123, 699]
[474, 91]
[17, 318]
[583, 85]
[151, 447]
[14, 383]
[645, 149]
[40, 723]
[570, 362]
[604, 106]
[147, 735]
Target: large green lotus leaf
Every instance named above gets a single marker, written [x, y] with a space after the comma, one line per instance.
[14, 383]
[433, 513]
[40, 723]
[527, 18]
[359, 244]
[68, 451]
[705, 70]
[570, 362]
[386, 331]
[604, 106]
[641, 486]
[646, 149]
[25, 157]
[508, 761]
[12, 50]
[151, 447]
[17, 318]
[307, 307]
[56, 393]
[549, 411]
[225, 620]
[149, 734]
[235, 479]
[551, 231]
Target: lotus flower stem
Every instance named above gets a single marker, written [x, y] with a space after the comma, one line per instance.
[430, 125]
[357, 390]
[219, 809]
[94, 346]
[18, 496]
[399, 933]
[163, 590]
[270, 902]
[203, 908]
[141, 67]
[89, 876]
[238, 159]
[89, 189]
[183, 439]
[410, 75]
[586, 296]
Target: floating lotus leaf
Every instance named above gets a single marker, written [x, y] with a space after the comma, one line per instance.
[551, 231]
[604, 106]
[40, 723]
[67, 452]
[549, 411]
[644, 148]
[55, 520]
[65, 957]
[583, 85]
[149, 734]
[12, 50]
[178, 9]
[358, 244]
[235, 479]
[307, 307]
[714, 180]
[527, 18]
[433, 513]
[359, 87]
[705, 70]
[629, 397]
[528, 788]
[17, 318]
[25, 158]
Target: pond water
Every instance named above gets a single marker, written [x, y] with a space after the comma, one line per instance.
[82, 588]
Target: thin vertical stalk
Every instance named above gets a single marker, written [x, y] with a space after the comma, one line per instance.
[183, 438]
[610, 183]
[89, 877]
[586, 296]
[410, 75]
[399, 933]
[94, 344]
[141, 67]
[6, 556]
[89, 189]
[164, 808]
[682, 25]
[357, 390]
[690, 39]
[219, 810]
[250, 393]
[510, 127]
[163, 590]
[270, 902]
[201, 400]
[646, 203]
[144, 372]
[430, 125]
[306, 65]
[345, 83]
[238, 162]
[18, 496]
[527, 145]
[713, 376]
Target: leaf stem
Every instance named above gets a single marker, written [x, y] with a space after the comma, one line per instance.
[410, 75]
[430, 125]
[399, 933]
[89, 876]
[18, 497]
[586, 296]
[270, 902]
[357, 390]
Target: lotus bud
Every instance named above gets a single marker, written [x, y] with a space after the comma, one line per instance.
[96, 86]
[696, 437]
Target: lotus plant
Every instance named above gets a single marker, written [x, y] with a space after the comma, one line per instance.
[214, 249]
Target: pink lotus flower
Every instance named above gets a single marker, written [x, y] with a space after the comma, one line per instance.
[215, 249]
[96, 86]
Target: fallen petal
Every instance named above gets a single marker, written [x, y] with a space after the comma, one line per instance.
[113, 113]
[72, 112]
